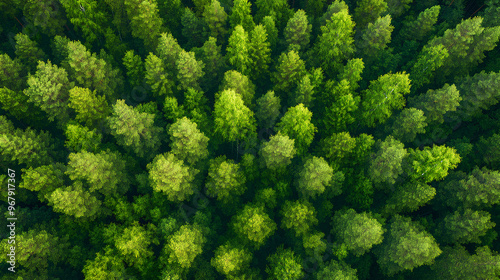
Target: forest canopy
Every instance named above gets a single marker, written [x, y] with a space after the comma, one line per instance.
[250, 139]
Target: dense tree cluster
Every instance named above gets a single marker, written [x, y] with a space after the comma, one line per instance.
[250, 139]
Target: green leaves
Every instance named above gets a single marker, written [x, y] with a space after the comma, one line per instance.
[284, 264]
[225, 179]
[231, 261]
[296, 124]
[253, 225]
[188, 143]
[298, 216]
[237, 50]
[315, 177]
[277, 152]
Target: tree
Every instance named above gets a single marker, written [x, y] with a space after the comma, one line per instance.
[213, 60]
[189, 71]
[134, 130]
[145, 21]
[436, 103]
[359, 232]
[43, 179]
[17, 105]
[231, 261]
[194, 29]
[480, 188]
[337, 270]
[135, 68]
[268, 109]
[489, 150]
[45, 14]
[232, 119]
[409, 197]
[237, 50]
[91, 22]
[89, 107]
[104, 172]
[432, 163]
[277, 152]
[429, 60]
[188, 143]
[271, 30]
[225, 179]
[464, 54]
[241, 15]
[335, 43]
[315, 177]
[253, 225]
[197, 109]
[478, 93]
[75, 201]
[25, 147]
[215, 17]
[133, 243]
[81, 138]
[185, 245]
[386, 163]
[383, 96]
[304, 93]
[343, 102]
[489, 12]
[168, 50]
[107, 264]
[28, 51]
[259, 52]
[351, 72]
[375, 37]
[368, 11]
[457, 263]
[12, 73]
[241, 84]
[464, 226]
[420, 27]
[49, 89]
[156, 77]
[170, 176]
[297, 31]
[337, 147]
[298, 216]
[284, 264]
[396, 8]
[289, 71]
[279, 10]
[406, 246]
[296, 124]
[408, 123]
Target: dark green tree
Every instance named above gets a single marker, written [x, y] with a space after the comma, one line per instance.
[241, 15]
[216, 19]
[436, 103]
[298, 31]
[187, 142]
[465, 226]
[226, 179]
[28, 52]
[296, 124]
[422, 25]
[253, 225]
[408, 124]
[145, 21]
[268, 109]
[135, 68]
[259, 51]
[367, 11]
[298, 216]
[284, 264]
[278, 152]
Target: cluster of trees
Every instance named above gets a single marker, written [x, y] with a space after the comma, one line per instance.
[242, 139]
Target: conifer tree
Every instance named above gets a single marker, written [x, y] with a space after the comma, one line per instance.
[396, 8]
[91, 21]
[28, 52]
[241, 84]
[187, 142]
[271, 30]
[427, 63]
[238, 50]
[231, 261]
[194, 29]
[253, 225]
[225, 180]
[408, 124]
[135, 68]
[368, 11]
[289, 71]
[75, 201]
[216, 19]
[278, 151]
[420, 27]
[241, 15]
[296, 124]
[478, 93]
[12, 73]
[189, 71]
[386, 163]
[89, 107]
[315, 177]
[436, 103]
[259, 52]
[284, 264]
[376, 36]
[298, 216]
[297, 31]
[156, 77]
[145, 21]
[465, 226]
[185, 245]
[431, 163]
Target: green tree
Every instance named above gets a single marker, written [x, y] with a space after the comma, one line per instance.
[431, 164]
[409, 197]
[215, 17]
[104, 172]
[241, 84]
[253, 225]
[337, 270]
[185, 245]
[135, 68]
[49, 89]
[284, 264]
[296, 124]
[134, 130]
[145, 21]
[172, 177]
[43, 179]
[16, 104]
[168, 50]
[45, 14]
[232, 119]
[408, 124]
[213, 60]
[367, 11]
[480, 188]
[298, 31]
[422, 25]
[343, 102]
[156, 77]
[278, 152]
[279, 10]
[298, 216]
[489, 150]
[289, 71]
[478, 93]
[428, 62]
[383, 96]
[75, 201]
[375, 37]
[268, 109]
[304, 93]
[457, 263]
[91, 22]
[464, 226]
[489, 13]
[337, 147]
[315, 177]
[396, 8]
[238, 50]
[241, 15]
[231, 261]
[359, 232]
[271, 30]
[406, 246]
[436, 103]
[89, 107]
[259, 52]
[133, 243]
[335, 43]
[194, 29]
[28, 51]
[81, 138]
[189, 71]
[107, 264]
[226, 179]
[12, 73]
[187, 142]
[387, 163]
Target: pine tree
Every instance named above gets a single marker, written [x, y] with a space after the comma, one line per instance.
[189, 71]
[297, 31]
[11, 73]
[289, 71]
[241, 84]
[296, 124]
[284, 264]
[75, 201]
[89, 108]
[427, 63]
[420, 27]
[253, 225]
[230, 260]
[194, 29]
[241, 15]
[157, 78]
[465, 226]
[225, 180]
[187, 142]
[28, 52]
[91, 20]
[368, 11]
[431, 164]
[386, 163]
[259, 52]
[375, 37]
[216, 19]
[397, 8]
[238, 50]
[408, 124]
[277, 152]
[135, 68]
[299, 217]
[185, 245]
[436, 103]
[315, 177]
[145, 21]
[479, 93]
